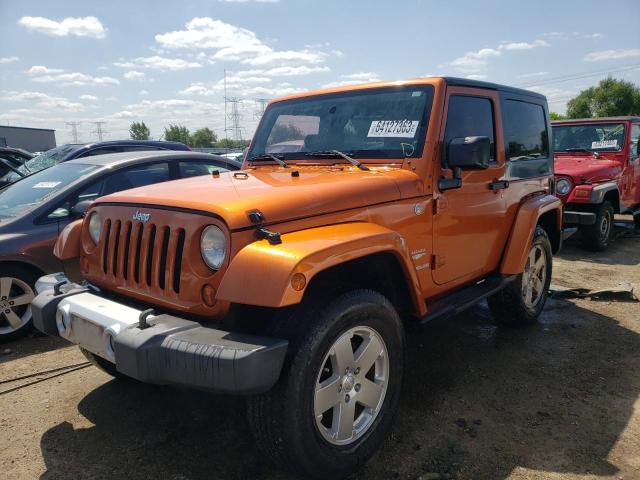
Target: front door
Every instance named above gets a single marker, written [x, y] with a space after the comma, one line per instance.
[469, 224]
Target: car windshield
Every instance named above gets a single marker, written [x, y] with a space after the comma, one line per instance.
[47, 159]
[26, 194]
[596, 137]
[378, 123]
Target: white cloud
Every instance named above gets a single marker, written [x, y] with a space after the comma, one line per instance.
[158, 63]
[247, 1]
[4, 60]
[572, 35]
[90, 98]
[42, 101]
[612, 54]
[242, 88]
[78, 26]
[134, 75]
[42, 74]
[475, 61]
[475, 76]
[533, 75]
[233, 43]
[353, 79]
[143, 92]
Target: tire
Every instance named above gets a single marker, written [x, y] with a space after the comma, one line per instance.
[636, 220]
[104, 365]
[597, 237]
[17, 285]
[284, 420]
[511, 306]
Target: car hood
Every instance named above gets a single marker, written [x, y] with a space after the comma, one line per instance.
[276, 192]
[588, 168]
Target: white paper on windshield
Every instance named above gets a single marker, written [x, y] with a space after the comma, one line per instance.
[605, 144]
[46, 185]
[393, 128]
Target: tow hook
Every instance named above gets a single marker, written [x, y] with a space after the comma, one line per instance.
[142, 319]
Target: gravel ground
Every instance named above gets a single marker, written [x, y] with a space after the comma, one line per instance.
[558, 400]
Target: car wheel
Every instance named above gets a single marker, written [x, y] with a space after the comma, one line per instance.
[339, 389]
[17, 290]
[597, 237]
[522, 300]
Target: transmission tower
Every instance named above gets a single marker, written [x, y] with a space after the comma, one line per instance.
[99, 131]
[74, 130]
[261, 105]
[235, 116]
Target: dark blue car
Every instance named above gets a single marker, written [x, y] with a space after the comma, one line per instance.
[72, 151]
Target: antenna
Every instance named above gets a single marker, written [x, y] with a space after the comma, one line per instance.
[74, 130]
[225, 101]
[99, 131]
[261, 105]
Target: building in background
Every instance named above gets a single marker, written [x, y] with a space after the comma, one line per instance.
[31, 139]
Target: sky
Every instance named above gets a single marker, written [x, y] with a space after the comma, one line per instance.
[164, 62]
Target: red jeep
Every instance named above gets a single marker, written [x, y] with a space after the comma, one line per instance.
[597, 168]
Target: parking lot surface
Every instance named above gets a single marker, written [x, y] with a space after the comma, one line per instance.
[558, 400]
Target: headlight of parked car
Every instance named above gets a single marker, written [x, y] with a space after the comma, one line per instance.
[563, 186]
[213, 245]
[95, 227]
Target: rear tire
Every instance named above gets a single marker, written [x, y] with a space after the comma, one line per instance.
[104, 365]
[299, 424]
[597, 237]
[17, 290]
[520, 302]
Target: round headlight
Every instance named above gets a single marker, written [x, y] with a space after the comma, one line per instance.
[563, 186]
[95, 227]
[213, 245]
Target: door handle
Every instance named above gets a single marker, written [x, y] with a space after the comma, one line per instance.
[499, 185]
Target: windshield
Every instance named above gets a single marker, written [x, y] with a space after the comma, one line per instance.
[26, 194]
[47, 159]
[377, 123]
[598, 137]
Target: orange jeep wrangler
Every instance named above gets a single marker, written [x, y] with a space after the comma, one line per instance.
[360, 209]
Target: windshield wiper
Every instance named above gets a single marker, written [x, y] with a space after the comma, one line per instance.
[577, 150]
[337, 153]
[268, 156]
[7, 164]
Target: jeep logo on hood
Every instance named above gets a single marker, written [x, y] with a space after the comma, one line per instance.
[143, 217]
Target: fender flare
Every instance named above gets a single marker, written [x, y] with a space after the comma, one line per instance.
[67, 245]
[527, 217]
[598, 192]
[260, 273]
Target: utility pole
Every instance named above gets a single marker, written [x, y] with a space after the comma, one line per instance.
[74, 130]
[261, 105]
[235, 116]
[99, 131]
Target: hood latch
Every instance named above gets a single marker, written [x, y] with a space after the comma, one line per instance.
[257, 218]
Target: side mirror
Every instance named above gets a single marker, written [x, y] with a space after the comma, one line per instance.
[469, 152]
[80, 208]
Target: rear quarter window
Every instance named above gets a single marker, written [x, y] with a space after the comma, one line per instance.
[526, 139]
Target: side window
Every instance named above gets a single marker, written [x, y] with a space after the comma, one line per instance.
[134, 177]
[525, 131]
[90, 192]
[470, 117]
[635, 140]
[139, 148]
[101, 151]
[193, 169]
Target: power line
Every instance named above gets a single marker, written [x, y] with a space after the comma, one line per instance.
[261, 105]
[74, 130]
[99, 131]
[577, 76]
[235, 116]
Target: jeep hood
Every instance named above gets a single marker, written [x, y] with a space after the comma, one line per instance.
[278, 194]
[587, 167]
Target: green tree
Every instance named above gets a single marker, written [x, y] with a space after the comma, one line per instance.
[610, 98]
[203, 138]
[139, 131]
[557, 116]
[177, 133]
[230, 143]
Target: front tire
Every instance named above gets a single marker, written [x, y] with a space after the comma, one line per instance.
[339, 389]
[17, 290]
[520, 302]
[597, 237]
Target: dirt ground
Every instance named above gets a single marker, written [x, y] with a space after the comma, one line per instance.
[558, 400]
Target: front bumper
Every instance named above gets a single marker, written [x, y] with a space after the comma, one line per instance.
[171, 350]
[579, 218]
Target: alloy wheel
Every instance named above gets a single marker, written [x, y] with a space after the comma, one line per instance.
[15, 304]
[534, 276]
